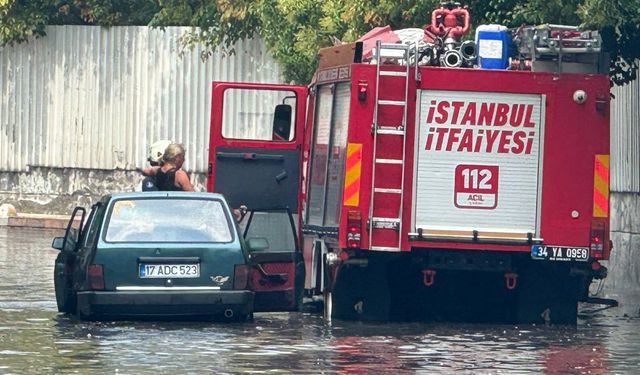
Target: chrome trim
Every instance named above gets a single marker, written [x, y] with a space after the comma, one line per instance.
[479, 239]
[164, 288]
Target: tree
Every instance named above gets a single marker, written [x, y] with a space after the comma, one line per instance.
[294, 30]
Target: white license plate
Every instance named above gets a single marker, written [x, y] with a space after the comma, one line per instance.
[560, 253]
[149, 271]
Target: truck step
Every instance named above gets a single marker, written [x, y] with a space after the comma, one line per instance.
[392, 130]
[384, 248]
[396, 46]
[392, 102]
[386, 190]
[389, 161]
[392, 73]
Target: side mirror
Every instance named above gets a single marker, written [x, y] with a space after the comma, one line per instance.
[58, 243]
[257, 244]
[281, 123]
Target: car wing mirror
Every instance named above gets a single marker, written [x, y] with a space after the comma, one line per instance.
[257, 244]
[58, 243]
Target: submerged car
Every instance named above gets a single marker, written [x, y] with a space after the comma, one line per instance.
[154, 255]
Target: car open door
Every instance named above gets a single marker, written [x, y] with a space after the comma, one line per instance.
[255, 148]
[277, 267]
[65, 261]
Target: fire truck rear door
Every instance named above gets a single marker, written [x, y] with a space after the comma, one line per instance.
[256, 137]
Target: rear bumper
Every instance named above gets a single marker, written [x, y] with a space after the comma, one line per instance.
[281, 300]
[231, 304]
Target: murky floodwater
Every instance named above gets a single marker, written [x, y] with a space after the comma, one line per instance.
[35, 339]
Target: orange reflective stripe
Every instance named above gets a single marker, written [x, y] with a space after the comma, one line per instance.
[601, 186]
[352, 175]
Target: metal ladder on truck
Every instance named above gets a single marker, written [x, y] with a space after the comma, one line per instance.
[387, 188]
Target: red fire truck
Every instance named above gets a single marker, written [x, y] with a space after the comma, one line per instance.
[428, 192]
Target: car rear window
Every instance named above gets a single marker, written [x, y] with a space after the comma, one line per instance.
[168, 220]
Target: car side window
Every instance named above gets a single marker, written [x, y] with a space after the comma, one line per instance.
[94, 222]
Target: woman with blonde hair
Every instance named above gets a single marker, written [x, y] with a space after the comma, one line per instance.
[170, 176]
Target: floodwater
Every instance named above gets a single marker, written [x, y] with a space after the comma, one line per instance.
[36, 339]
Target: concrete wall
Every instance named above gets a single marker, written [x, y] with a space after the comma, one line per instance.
[623, 281]
[55, 191]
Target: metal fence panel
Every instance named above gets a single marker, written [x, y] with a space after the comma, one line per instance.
[625, 138]
[92, 97]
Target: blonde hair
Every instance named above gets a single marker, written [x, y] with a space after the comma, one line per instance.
[172, 152]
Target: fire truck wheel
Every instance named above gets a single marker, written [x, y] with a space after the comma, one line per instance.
[361, 293]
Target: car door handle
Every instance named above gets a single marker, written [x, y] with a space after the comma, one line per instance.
[280, 278]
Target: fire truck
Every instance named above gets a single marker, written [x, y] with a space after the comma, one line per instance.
[424, 186]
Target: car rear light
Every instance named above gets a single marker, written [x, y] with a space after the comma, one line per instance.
[96, 277]
[597, 242]
[240, 276]
[354, 225]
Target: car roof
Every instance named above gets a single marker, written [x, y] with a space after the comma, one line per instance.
[167, 194]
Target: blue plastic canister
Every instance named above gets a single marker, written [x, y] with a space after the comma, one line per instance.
[493, 46]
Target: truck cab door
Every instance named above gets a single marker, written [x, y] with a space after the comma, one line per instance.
[277, 267]
[255, 148]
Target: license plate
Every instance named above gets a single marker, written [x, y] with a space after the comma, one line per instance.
[560, 253]
[149, 271]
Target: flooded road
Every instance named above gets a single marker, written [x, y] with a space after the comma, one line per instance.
[36, 339]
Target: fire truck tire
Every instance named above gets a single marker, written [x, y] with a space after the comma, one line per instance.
[361, 293]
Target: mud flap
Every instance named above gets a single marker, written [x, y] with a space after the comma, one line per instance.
[547, 294]
[361, 293]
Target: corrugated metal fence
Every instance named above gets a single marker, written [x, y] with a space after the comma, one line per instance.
[92, 97]
[625, 138]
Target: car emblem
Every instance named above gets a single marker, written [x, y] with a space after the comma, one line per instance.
[219, 280]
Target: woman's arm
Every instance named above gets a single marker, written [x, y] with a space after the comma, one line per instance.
[148, 171]
[182, 180]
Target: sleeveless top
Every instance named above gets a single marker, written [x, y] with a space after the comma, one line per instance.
[149, 184]
[166, 181]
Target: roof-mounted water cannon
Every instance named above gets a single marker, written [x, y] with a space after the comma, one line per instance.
[448, 24]
[450, 20]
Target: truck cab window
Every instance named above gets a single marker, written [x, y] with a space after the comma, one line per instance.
[262, 115]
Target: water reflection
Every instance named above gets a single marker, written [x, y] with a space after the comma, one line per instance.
[35, 339]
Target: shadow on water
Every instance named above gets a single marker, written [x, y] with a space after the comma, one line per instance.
[36, 339]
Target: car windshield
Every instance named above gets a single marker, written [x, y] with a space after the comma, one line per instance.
[168, 220]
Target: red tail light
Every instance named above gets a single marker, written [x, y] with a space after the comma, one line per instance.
[240, 276]
[354, 225]
[597, 242]
[96, 277]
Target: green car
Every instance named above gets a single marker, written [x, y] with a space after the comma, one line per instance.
[154, 255]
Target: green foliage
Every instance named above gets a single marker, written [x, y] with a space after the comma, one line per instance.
[23, 19]
[20, 20]
[294, 30]
[619, 23]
